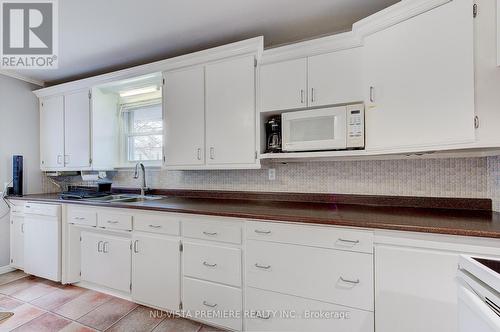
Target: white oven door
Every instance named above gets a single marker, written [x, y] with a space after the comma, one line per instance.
[316, 129]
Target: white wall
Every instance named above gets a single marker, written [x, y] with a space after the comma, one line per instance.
[19, 134]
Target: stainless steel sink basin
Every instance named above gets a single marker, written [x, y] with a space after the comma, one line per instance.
[125, 198]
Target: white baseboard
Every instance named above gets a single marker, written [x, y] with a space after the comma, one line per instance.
[6, 269]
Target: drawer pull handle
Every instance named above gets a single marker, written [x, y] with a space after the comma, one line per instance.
[354, 282]
[264, 267]
[211, 305]
[105, 247]
[351, 242]
[209, 265]
[99, 246]
[258, 231]
[79, 218]
[210, 233]
[136, 249]
[112, 222]
[155, 226]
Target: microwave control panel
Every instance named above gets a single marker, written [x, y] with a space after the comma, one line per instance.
[355, 126]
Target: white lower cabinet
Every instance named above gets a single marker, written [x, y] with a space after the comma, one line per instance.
[16, 240]
[334, 276]
[415, 290]
[106, 260]
[156, 270]
[270, 311]
[213, 263]
[213, 303]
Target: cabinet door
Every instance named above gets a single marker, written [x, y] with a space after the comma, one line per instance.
[283, 85]
[17, 241]
[230, 111]
[335, 78]
[106, 261]
[413, 284]
[420, 81]
[52, 132]
[156, 271]
[184, 119]
[77, 129]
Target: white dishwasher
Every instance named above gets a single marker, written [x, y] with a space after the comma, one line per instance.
[479, 294]
[42, 240]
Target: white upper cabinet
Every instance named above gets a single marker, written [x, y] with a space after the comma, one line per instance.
[77, 130]
[325, 79]
[52, 132]
[184, 117]
[284, 85]
[65, 132]
[419, 81]
[230, 111]
[335, 78]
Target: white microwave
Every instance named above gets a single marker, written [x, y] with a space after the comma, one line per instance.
[333, 128]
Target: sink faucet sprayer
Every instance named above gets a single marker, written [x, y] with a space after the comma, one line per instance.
[144, 187]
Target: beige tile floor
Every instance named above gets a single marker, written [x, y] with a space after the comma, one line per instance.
[41, 305]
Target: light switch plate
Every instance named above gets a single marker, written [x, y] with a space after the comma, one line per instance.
[272, 174]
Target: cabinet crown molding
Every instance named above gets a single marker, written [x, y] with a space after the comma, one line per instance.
[249, 46]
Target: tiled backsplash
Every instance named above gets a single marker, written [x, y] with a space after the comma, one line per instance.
[459, 177]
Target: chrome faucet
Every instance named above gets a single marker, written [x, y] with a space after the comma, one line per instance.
[144, 187]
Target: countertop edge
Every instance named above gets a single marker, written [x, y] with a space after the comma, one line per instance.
[291, 219]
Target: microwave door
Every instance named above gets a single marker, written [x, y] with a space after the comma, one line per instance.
[314, 130]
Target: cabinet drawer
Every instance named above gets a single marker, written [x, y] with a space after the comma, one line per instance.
[213, 303]
[157, 223]
[114, 220]
[267, 311]
[212, 230]
[318, 236]
[213, 263]
[334, 276]
[82, 216]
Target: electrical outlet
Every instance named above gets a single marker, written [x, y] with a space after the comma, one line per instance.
[272, 174]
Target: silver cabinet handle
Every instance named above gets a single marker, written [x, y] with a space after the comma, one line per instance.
[211, 305]
[372, 94]
[198, 153]
[155, 226]
[78, 218]
[209, 265]
[22, 228]
[136, 249]
[312, 95]
[264, 267]
[210, 233]
[354, 282]
[301, 96]
[66, 159]
[59, 159]
[99, 248]
[349, 242]
[258, 231]
[112, 222]
[105, 247]
[212, 153]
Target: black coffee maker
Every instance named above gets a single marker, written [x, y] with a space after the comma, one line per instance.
[273, 134]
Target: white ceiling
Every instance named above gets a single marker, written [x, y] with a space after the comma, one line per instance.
[98, 36]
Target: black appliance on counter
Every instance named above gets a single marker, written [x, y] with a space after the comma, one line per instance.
[273, 134]
[17, 176]
[79, 192]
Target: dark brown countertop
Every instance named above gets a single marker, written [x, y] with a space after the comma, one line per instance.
[463, 221]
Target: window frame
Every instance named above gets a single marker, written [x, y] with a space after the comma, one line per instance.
[125, 133]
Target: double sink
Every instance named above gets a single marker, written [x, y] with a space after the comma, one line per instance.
[123, 198]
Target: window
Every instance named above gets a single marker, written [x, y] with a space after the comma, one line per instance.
[143, 132]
